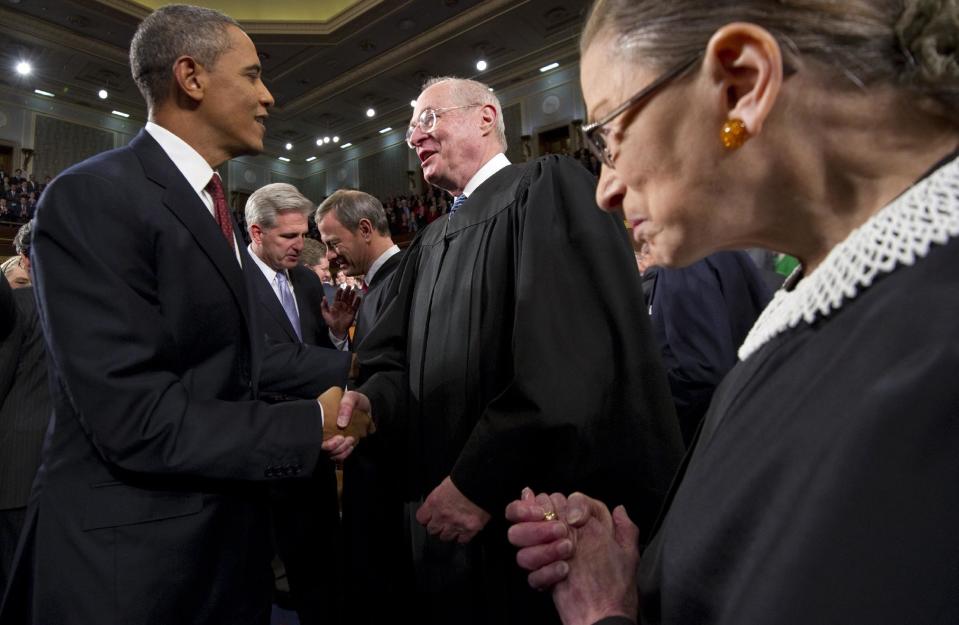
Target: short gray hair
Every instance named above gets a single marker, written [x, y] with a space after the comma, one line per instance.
[911, 44]
[466, 92]
[24, 239]
[171, 32]
[267, 202]
[349, 206]
[9, 265]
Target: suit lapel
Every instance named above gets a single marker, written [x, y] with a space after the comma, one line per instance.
[186, 205]
[268, 301]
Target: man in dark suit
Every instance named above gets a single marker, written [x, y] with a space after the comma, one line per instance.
[701, 314]
[290, 300]
[277, 219]
[151, 504]
[24, 407]
[354, 228]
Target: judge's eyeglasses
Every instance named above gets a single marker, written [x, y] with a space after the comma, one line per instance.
[428, 118]
[595, 133]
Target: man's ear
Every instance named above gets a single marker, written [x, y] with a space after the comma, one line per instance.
[745, 63]
[488, 122]
[365, 229]
[189, 77]
[256, 233]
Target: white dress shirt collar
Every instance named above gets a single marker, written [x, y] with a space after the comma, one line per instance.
[193, 166]
[485, 172]
[379, 262]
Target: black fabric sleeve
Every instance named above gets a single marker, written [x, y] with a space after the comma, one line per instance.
[588, 407]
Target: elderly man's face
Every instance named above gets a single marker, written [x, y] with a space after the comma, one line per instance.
[18, 277]
[453, 151]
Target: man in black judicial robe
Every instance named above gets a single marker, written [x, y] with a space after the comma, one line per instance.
[354, 228]
[500, 377]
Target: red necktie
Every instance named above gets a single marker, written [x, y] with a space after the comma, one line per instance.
[220, 210]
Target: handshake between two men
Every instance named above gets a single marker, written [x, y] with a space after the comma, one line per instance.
[342, 430]
[446, 513]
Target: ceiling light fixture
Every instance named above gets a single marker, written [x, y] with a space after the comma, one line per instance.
[288, 146]
[311, 159]
[345, 145]
[336, 139]
[43, 93]
[385, 130]
[481, 65]
[120, 114]
[103, 94]
[370, 112]
[546, 68]
[284, 159]
[24, 68]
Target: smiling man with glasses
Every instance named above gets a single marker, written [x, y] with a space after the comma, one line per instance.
[508, 381]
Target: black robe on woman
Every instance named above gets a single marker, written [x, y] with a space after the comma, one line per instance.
[824, 486]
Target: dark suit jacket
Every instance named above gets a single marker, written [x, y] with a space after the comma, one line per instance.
[24, 402]
[308, 291]
[146, 508]
[305, 512]
[701, 315]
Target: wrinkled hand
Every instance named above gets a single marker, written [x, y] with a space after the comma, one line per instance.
[341, 433]
[339, 313]
[544, 545]
[448, 513]
[598, 576]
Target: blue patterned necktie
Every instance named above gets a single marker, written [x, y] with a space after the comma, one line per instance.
[456, 205]
[286, 299]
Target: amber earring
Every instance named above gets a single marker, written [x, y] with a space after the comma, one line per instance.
[733, 134]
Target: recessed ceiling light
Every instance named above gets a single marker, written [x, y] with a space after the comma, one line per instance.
[326, 139]
[42, 92]
[481, 65]
[319, 141]
[346, 145]
[370, 112]
[284, 159]
[120, 113]
[546, 68]
[24, 68]
[385, 130]
[413, 103]
[336, 139]
[103, 94]
[490, 88]
[288, 146]
[311, 159]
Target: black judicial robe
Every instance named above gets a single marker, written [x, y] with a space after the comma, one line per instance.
[506, 375]
[823, 487]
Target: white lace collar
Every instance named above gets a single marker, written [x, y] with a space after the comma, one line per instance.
[897, 235]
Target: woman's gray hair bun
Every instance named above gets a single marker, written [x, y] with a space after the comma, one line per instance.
[928, 33]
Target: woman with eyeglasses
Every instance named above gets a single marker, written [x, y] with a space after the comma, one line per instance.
[823, 486]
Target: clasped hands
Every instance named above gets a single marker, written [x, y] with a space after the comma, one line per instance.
[575, 546]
